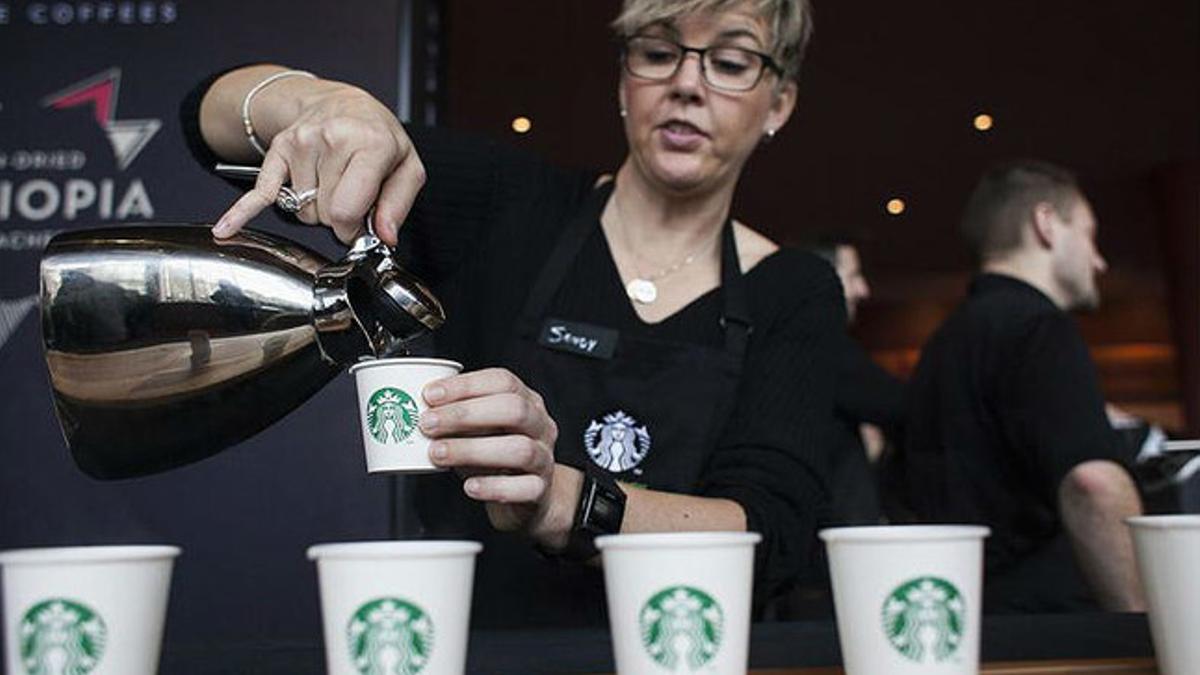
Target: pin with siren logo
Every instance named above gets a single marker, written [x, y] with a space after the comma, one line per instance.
[681, 628]
[390, 636]
[616, 442]
[61, 636]
[392, 415]
[924, 619]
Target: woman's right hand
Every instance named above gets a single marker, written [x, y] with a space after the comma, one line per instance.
[495, 430]
[353, 150]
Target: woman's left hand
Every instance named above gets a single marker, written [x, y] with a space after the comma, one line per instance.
[496, 432]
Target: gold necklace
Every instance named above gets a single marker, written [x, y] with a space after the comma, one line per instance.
[642, 289]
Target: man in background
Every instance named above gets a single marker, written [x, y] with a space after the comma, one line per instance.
[1007, 425]
[868, 404]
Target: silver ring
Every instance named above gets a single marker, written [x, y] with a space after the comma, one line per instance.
[291, 201]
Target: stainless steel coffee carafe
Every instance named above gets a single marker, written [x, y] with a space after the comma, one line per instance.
[166, 345]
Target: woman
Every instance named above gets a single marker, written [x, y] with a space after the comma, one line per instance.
[626, 330]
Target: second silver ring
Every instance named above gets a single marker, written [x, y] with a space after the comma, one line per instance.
[291, 201]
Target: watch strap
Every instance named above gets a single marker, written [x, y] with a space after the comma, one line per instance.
[600, 511]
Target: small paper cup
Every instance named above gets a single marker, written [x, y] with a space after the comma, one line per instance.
[679, 601]
[907, 597]
[1168, 559]
[390, 406]
[396, 606]
[89, 609]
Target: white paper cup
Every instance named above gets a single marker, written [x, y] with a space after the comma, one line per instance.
[94, 610]
[1168, 558]
[907, 598]
[396, 606]
[680, 601]
[390, 406]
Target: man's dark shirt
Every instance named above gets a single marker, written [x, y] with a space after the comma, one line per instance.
[865, 393]
[1004, 403]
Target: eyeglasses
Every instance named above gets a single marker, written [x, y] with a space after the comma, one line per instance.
[727, 68]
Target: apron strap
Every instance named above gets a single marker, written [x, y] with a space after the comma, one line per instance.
[735, 312]
[562, 258]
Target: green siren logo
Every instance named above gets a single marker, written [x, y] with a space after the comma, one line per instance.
[391, 415]
[61, 636]
[924, 619]
[681, 625]
[390, 636]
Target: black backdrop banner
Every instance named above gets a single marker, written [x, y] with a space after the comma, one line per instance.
[90, 136]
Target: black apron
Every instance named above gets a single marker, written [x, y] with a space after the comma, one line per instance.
[649, 413]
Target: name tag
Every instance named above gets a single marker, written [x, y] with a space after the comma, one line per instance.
[583, 339]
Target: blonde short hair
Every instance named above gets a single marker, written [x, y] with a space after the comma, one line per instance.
[790, 22]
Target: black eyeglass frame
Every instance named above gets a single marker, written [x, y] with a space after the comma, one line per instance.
[768, 63]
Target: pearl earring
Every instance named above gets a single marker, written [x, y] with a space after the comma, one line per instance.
[624, 113]
[770, 134]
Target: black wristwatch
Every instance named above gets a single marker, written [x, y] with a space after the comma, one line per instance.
[601, 510]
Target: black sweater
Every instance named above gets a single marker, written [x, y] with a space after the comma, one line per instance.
[479, 233]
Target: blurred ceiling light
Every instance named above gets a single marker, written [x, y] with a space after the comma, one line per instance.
[983, 122]
[895, 206]
[522, 125]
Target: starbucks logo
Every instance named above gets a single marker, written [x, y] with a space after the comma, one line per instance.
[390, 636]
[616, 442]
[61, 636]
[923, 619]
[391, 415]
[681, 626]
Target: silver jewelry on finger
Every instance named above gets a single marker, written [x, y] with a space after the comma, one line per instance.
[291, 201]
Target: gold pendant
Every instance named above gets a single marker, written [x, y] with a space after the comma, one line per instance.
[642, 291]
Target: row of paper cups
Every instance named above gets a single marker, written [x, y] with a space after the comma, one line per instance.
[679, 603]
[907, 599]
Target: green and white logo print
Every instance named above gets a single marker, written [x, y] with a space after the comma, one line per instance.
[924, 619]
[681, 627]
[391, 415]
[390, 636]
[59, 636]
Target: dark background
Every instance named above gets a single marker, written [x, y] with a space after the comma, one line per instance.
[887, 98]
